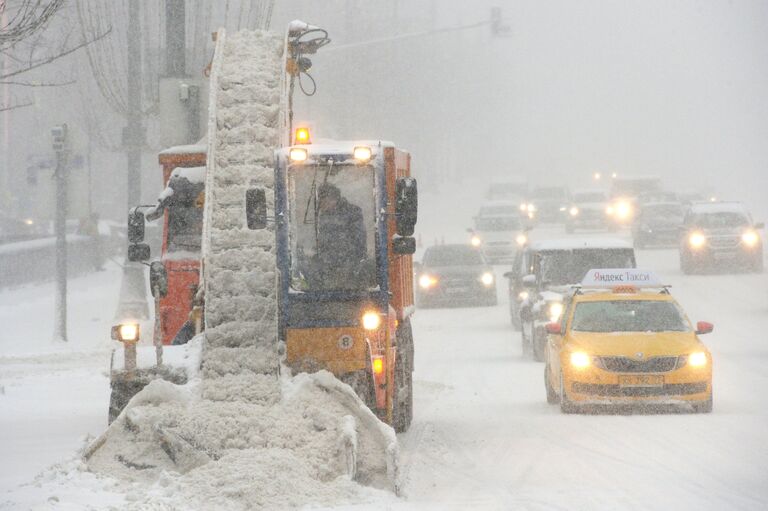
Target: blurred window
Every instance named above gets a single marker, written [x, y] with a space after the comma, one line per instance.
[629, 316]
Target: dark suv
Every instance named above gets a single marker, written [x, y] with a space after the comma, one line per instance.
[720, 234]
[543, 273]
[658, 224]
[455, 274]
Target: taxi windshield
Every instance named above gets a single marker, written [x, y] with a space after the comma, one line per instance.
[628, 316]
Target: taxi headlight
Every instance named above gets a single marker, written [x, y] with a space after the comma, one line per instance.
[371, 320]
[554, 310]
[750, 238]
[697, 240]
[580, 360]
[521, 239]
[475, 241]
[574, 211]
[427, 281]
[486, 278]
[697, 359]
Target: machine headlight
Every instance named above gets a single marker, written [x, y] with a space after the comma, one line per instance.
[554, 310]
[522, 295]
[750, 238]
[486, 278]
[580, 360]
[427, 281]
[521, 239]
[126, 332]
[371, 320]
[298, 154]
[574, 211]
[697, 240]
[697, 359]
[475, 241]
[362, 153]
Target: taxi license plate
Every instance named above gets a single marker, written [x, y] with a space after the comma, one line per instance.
[641, 380]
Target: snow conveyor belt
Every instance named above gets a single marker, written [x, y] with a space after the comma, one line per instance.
[241, 435]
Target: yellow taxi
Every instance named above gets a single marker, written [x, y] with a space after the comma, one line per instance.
[623, 339]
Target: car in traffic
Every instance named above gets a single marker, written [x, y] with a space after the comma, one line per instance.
[548, 203]
[720, 235]
[454, 275]
[588, 211]
[624, 340]
[658, 224]
[542, 274]
[499, 230]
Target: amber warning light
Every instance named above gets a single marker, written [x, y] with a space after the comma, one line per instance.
[302, 136]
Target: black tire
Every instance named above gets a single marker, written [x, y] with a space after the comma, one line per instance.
[704, 406]
[538, 347]
[552, 397]
[514, 319]
[525, 343]
[565, 405]
[402, 412]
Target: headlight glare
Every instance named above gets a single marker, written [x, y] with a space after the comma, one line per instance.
[554, 310]
[486, 278]
[580, 360]
[427, 281]
[697, 359]
[522, 295]
[574, 211]
[371, 320]
[521, 239]
[475, 241]
[697, 240]
[750, 238]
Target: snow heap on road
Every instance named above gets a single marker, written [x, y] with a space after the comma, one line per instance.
[238, 436]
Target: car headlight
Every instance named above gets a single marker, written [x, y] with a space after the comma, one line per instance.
[554, 310]
[371, 320]
[697, 240]
[427, 281]
[574, 211]
[523, 207]
[623, 210]
[530, 207]
[580, 360]
[522, 295]
[750, 238]
[609, 210]
[521, 239]
[486, 278]
[475, 241]
[697, 359]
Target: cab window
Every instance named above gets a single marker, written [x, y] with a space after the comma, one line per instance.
[628, 316]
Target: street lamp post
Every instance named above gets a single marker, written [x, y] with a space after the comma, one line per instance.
[61, 147]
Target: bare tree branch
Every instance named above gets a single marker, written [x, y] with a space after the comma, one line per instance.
[14, 107]
[37, 84]
[52, 58]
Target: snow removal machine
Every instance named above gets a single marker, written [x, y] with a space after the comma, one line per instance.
[326, 229]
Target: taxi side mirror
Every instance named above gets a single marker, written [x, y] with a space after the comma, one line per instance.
[554, 329]
[702, 327]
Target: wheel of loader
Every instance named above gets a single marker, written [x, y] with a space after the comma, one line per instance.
[362, 383]
[122, 392]
[403, 399]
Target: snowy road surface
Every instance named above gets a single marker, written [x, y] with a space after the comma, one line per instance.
[483, 436]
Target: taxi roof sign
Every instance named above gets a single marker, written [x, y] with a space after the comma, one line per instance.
[613, 277]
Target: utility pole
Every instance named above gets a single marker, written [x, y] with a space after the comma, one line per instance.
[175, 38]
[60, 146]
[133, 288]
